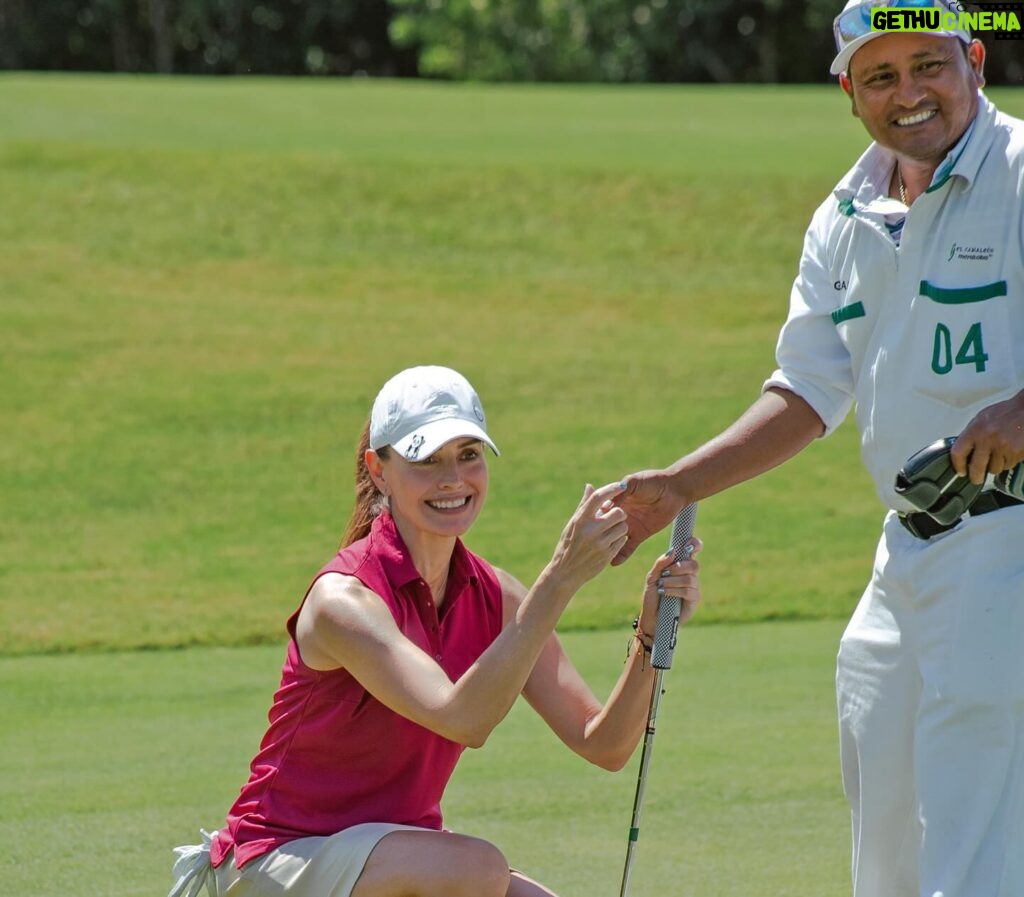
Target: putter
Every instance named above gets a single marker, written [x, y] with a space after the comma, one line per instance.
[665, 632]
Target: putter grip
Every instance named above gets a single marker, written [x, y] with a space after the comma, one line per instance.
[666, 628]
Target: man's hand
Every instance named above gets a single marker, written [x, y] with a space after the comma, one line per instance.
[650, 504]
[992, 442]
[772, 430]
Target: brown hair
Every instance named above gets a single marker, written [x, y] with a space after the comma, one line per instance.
[369, 499]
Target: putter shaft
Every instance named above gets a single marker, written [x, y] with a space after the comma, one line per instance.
[669, 610]
[638, 800]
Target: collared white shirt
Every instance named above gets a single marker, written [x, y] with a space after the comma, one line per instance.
[892, 211]
[920, 334]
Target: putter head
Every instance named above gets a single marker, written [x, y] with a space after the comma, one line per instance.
[929, 482]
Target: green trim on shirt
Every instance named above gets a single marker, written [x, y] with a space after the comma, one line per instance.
[963, 295]
[848, 313]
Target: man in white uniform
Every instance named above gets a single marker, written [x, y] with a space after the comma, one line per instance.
[909, 303]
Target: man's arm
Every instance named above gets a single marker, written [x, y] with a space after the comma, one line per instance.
[775, 428]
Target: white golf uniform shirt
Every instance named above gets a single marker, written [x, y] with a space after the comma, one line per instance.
[920, 335]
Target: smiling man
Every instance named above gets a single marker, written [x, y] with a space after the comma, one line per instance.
[917, 93]
[909, 304]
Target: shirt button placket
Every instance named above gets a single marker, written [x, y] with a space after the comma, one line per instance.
[431, 613]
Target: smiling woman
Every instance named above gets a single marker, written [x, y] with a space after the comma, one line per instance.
[435, 480]
[408, 648]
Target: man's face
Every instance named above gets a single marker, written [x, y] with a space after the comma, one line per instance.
[916, 93]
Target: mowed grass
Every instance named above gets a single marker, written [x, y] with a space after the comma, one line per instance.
[107, 761]
[202, 285]
[204, 282]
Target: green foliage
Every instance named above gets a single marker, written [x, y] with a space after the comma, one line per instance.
[606, 40]
[202, 36]
[489, 40]
[631, 40]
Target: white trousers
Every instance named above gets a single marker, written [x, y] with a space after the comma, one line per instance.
[930, 689]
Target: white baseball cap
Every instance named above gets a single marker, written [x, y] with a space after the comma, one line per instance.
[421, 408]
[852, 27]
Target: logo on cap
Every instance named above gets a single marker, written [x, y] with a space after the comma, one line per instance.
[414, 449]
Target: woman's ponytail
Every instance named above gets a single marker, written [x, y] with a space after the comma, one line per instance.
[369, 499]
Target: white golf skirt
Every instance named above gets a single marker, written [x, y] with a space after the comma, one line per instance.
[307, 867]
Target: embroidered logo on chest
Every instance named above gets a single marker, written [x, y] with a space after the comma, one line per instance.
[968, 253]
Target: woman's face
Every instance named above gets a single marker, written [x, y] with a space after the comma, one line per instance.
[442, 494]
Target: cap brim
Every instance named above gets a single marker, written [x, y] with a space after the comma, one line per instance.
[842, 61]
[422, 442]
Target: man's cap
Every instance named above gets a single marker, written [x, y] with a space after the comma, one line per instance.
[421, 408]
[852, 27]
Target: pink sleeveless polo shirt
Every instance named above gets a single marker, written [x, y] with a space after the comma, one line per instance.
[333, 756]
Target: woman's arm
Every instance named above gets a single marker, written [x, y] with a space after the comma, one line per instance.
[344, 624]
[607, 734]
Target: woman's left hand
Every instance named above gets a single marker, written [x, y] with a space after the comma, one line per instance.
[671, 578]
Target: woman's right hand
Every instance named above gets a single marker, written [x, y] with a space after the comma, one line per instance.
[594, 534]
[671, 577]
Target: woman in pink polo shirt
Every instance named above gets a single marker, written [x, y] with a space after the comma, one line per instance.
[406, 649]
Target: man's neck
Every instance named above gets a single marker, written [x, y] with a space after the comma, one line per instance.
[918, 174]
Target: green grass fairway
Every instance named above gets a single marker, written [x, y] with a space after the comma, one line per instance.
[108, 761]
[204, 282]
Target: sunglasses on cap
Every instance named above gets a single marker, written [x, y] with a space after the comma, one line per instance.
[856, 21]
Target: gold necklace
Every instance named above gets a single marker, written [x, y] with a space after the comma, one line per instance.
[901, 186]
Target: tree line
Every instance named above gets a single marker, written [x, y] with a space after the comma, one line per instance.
[490, 40]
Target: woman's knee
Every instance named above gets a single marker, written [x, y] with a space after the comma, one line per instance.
[485, 869]
[435, 864]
